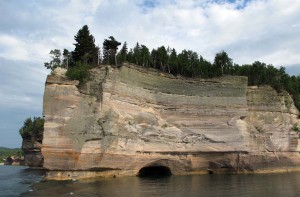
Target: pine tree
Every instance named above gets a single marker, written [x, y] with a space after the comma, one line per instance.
[173, 62]
[144, 56]
[55, 59]
[122, 55]
[66, 58]
[136, 53]
[110, 48]
[162, 58]
[85, 48]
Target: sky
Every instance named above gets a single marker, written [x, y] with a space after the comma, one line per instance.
[248, 30]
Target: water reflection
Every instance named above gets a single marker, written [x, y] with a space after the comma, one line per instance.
[201, 185]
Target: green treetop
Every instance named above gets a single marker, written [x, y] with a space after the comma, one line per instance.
[110, 48]
[85, 48]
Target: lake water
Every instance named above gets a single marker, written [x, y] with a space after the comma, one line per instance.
[21, 181]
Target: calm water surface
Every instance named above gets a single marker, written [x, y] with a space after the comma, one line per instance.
[20, 181]
[15, 180]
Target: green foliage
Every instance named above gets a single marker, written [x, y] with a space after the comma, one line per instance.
[110, 48]
[296, 128]
[79, 72]
[8, 152]
[85, 48]
[223, 62]
[122, 55]
[186, 63]
[32, 128]
[189, 64]
[55, 62]
[66, 58]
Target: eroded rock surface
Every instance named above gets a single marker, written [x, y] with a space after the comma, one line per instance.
[128, 118]
[31, 147]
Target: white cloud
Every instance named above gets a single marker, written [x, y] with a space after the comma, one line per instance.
[12, 48]
[249, 30]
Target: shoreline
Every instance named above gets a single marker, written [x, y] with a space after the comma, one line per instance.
[85, 174]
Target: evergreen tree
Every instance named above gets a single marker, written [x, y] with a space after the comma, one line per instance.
[55, 59]
[85, 48]
[162, 58]
[130, 57]
[205, 68]
[153, 58]
[66, 58]
[144, 56]
[192, 63]
[122, 55]
[110, 48]
[183, 62]
[173, 62]
[136, 53]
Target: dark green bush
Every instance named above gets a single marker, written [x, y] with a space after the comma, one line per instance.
[79, 72]
[32, 128]
[296, 128]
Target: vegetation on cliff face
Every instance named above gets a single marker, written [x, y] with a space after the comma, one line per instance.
[186, 63]
[296, 128]
[32, 128]
[80, 72]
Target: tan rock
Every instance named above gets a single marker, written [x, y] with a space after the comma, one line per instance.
[128, 118]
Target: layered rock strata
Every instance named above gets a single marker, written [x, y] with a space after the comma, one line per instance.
[31, 146]
[125, 119]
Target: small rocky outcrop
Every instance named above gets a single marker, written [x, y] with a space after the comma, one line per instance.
[31, 147]
[127, 119]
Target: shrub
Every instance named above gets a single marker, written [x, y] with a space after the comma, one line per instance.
[32, 128]
[79, 72]
[296, 128]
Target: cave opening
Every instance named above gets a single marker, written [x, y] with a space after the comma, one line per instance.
[155, 171]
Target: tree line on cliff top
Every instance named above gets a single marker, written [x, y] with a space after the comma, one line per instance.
[186, 63]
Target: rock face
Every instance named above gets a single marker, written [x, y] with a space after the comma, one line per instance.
[32, 151]
[127, 119]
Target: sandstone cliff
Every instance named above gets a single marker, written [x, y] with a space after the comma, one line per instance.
[31, 147]
[127, 119]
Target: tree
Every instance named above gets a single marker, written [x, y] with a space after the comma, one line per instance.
[183, 62]
[55, 60]
[66, 58]
[173, 62]
[161, 57]
[130, 57]
[85, 48]
[122, 55]
[153, 58]
[110, 48]
[223, 61]
[193, 61]
[136, 53]
[206, 69]
[144, 56]
[32, 128]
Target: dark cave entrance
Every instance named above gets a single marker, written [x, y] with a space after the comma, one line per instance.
[155, 171]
